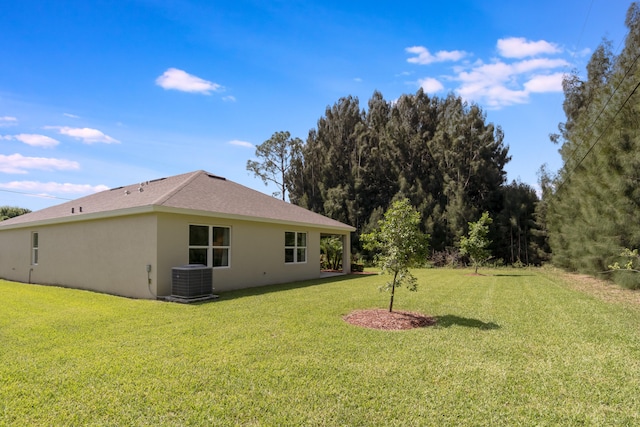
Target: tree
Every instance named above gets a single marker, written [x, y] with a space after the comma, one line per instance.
[331, 249]
[7, 212]
[517, 237]
[277, 154]
[476, 243]
[632, 259]
[593, 203]
[400, 244]
[440, 153]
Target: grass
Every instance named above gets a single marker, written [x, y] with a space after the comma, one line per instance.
[513, 347]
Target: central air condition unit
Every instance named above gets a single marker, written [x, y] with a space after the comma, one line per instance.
[192, 281]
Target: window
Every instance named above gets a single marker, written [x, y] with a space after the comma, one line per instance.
[209, 245]
[34, 248]
[295, 247]
[220, 246]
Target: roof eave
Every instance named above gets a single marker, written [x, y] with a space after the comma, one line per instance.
[173, 210]
[164, 209]
[80, 217]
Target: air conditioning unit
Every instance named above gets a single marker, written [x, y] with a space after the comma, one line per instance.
[192, 281]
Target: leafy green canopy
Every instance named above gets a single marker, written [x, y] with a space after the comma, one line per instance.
[277, 155]
[476, 244]
[440, 153]
[399, 244]
[7, 212]
[331, 252]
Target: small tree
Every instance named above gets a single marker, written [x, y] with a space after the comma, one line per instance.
[633, 259]
[331, 248]
[631, 265]
[476, 244]
[277, 154]
[400, 244]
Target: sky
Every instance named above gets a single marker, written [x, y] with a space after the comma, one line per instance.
[100, 94]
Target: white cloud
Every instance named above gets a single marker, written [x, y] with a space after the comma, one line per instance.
[493, 96]
[582, 53]
[545, 83]
[241, 143]
[34, 140]
[357, 80]
[538, 64]
[73, 116]
[229, 98]
[424, 57]
[18, 164]
[500, 84]
[8, 121]
[185, 82]
[519, 47]
[52, 187]
[86, 135]
[430, 85]
[525, 67]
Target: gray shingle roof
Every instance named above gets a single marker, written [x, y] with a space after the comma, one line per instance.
[196, 192]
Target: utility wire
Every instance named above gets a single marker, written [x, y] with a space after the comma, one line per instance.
[45, 196]
[578, 145]
[598, 138]
[575, 150]
[584, 25]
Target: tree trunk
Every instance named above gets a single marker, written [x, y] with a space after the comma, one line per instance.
[511, 235]
[393, 290]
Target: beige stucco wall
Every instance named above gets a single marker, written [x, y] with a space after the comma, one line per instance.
[257, 252]
[111, 254]
[106, 255]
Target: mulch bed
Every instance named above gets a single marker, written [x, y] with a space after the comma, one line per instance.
[382, 319]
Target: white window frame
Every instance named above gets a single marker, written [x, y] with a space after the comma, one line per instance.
[35, 246]
[210, 247]
[296, 247]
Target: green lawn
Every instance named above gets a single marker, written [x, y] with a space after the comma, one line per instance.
[513, 347]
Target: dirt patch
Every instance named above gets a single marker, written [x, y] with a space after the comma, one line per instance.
[602, 289]
[382, 319]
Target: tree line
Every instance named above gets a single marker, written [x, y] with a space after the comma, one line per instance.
[439, 153]
[591, 205]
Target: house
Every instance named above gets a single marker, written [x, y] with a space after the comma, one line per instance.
[128, 240]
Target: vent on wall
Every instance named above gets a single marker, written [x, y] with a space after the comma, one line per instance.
[191, 281]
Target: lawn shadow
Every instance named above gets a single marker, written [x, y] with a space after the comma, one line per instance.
[451, 320]
[266, 289]
[512, 275]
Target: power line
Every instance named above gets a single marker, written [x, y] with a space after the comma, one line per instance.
[578, 145]
[599, 137]
[590, 127]
[45, 196]
[584, 25]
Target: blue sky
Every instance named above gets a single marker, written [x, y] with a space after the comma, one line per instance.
[99, 94]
